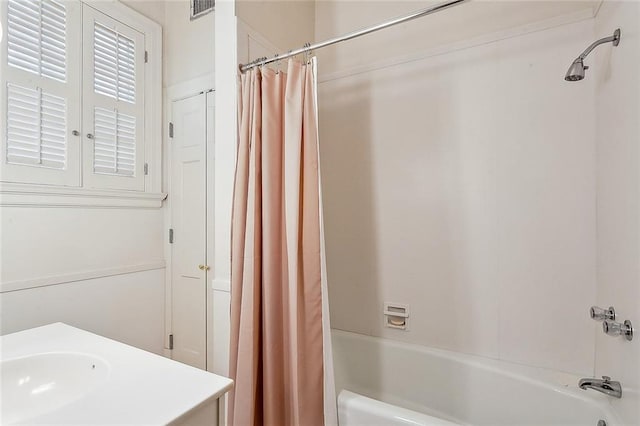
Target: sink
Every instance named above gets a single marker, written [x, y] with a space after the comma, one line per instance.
[60, 375]
[37, 384]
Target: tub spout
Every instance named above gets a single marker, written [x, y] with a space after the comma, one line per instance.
[604, 385]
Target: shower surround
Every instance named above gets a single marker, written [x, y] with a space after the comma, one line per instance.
[472, 183]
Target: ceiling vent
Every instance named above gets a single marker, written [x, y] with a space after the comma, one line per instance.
[201, 7]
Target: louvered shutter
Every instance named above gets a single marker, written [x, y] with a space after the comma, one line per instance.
[115, 142]
[114, 64]
[36, 128]
[41, 92]
[36, 34]
[113, 102]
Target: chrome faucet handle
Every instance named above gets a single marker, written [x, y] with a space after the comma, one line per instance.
[599, 314]
[606, 379]
[613, 328]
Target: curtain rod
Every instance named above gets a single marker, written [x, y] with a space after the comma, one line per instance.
[309, 47]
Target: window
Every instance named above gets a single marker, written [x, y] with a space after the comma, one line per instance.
[75, 105]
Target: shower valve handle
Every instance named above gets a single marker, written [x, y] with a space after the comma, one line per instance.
[599, 314]
[613, 328]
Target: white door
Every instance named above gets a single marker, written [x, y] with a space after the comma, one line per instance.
[187, 192]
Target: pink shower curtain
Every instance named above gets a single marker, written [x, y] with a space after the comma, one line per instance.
[277, 354]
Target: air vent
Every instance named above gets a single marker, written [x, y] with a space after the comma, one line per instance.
[201, 7]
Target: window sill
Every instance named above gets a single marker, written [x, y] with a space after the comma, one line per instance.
[25, 195]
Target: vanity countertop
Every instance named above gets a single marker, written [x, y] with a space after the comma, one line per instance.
[135, 386]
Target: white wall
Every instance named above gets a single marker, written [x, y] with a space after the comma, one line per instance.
[285, 23]
[616, 71]
[48, 242]
[153, 9]
[477, 18]
[225, 141]
[188, 45]
[127, 307]
[463, 185]
[88, 254]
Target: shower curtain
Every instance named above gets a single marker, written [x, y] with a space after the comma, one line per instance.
[280, 355]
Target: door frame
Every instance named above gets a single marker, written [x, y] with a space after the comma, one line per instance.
[176, 92]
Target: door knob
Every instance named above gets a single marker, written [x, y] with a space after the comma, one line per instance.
[203, 267]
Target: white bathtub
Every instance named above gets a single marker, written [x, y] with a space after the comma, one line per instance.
[358, 410]
[458, 388]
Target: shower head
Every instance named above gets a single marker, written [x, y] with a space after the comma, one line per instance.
[577, 68]
[576, 71]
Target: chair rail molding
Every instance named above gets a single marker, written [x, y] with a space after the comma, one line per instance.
[79, 276]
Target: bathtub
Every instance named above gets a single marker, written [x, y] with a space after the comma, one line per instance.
[385, 382]
[358, 410]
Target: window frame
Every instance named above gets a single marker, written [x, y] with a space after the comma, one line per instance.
[41, 192]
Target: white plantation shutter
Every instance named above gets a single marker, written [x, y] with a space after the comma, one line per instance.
[36, 128]
[114, 64]
[72, 89]
[115, 143]
[113, 107]
[37, 37]
[41, 91]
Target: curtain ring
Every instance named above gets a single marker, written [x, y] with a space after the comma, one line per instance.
[307, 52]
[277, 61]
[289, 53]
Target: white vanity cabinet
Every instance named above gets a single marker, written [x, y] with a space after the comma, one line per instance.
[58, 374]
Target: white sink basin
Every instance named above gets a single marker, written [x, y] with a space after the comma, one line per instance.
[37, 384]
[60, 375]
